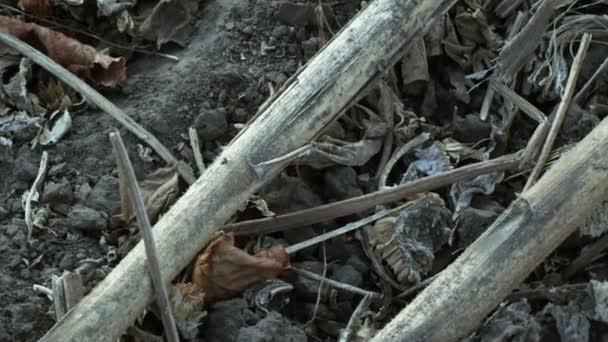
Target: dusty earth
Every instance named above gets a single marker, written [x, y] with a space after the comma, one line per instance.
[240, 52]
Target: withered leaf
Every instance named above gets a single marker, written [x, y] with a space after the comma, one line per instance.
[79, 58]
[224, 270]
[187, 302]
[159, 191]
[37, 7]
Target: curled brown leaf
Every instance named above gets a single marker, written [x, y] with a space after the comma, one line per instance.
[79, 58]
[224, 270]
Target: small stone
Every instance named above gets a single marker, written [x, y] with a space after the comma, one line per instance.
[348, 275]
[273, 328]
[309, 288]
[58, 193]
[15, 206]
[276, 77]
[67, 262]
[239, 115]
[247, 30]
[3, 213]
[230, 76]
[280, 31]
[211, 124]
[105, 195]
[310, 47]
[158, 123]
[83, 192]
[341, 183]
[296, 14]
[471, 129]
[87, 219]
[356, 262]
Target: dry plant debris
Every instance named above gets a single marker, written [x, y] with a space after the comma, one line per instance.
[455, 99]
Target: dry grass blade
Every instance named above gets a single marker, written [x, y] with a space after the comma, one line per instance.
[358, 204]
[336, 284]
[561, 110]
[343, 230]
[196, 150]
[44, 161]
[146, 232]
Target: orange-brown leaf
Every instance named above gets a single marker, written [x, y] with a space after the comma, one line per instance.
[38, 7]
[224, 270]
[79, 58]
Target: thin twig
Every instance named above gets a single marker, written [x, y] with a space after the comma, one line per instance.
[263, 168]
[361, 203]
[196, 150]
[417, 287]
[320, 289]
[146, 231]
[387, 108]
[585, 89]
[44, 290]
[354, 321]
[400, 152]
[334, 283]
[343, 230]
[540, 133]
[99, 100]
[561, 111]
[44, 161]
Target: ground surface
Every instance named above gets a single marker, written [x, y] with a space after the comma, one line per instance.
[240, 52]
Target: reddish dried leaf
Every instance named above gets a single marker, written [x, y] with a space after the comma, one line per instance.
[38, 7]
[77, 57]
[224, 270]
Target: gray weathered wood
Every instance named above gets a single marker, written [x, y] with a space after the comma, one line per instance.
[342, 72]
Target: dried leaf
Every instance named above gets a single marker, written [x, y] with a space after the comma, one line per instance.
[55, 129]
[572, 325]
[261, 205]
[462, 192]
[37, 7]
[77, 57]
[510, 323]
[407, 242]
[414, 66]
[159, 191]
[224, 270]
[17, 93]
[187, 302]
[333, 151]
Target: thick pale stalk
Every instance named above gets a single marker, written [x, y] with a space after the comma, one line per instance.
[339, 75]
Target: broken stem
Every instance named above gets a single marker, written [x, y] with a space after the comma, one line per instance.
[359, 204]
[196, 150]
[334, 283]
[33, 190]
[146, 231]
[99, 100]
[561, 111]
[264, 168]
